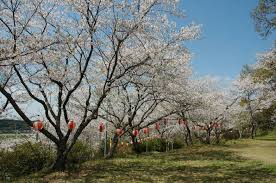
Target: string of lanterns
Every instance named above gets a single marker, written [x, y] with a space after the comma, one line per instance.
[146, 130]
[119, 131]
[38, 125]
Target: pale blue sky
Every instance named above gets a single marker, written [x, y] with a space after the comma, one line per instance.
[228, 37]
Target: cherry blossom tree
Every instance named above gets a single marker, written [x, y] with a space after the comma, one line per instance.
[206, 110]
[141, 101]
[136, 108]
[256, 87]
[55, 52]
[265, 72]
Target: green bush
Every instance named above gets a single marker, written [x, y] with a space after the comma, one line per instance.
[80, 153]
[25, 158]
[231, 135]
[158, 145]
[29, 157]
[100, 151]
[178, 144]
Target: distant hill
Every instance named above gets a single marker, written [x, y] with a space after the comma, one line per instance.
[10, 126]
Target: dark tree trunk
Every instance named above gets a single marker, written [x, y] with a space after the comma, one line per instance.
[208, 137]
[189, 135]
[61, 158]
[253, 129]
[186, 139]
[112, 150]
[217, 136]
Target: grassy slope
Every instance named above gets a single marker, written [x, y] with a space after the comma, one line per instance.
[196, 164]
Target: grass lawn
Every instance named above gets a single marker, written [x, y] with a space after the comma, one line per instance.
[233, 162]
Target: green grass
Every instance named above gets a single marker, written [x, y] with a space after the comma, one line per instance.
[261, 149]
[196, 164]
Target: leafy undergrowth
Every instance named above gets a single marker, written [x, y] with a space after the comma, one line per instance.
[195, 164]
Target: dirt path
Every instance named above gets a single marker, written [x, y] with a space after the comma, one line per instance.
[262, 150]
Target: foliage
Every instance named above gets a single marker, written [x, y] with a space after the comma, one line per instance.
[80, 153]
[230, 135]
[262, 74]
[264, 118]
[256, 90]
[159, 145]
[100, 151]
[243, 102]
[25, 158]
[264, 17]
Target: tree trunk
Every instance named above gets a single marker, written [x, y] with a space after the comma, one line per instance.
[208, 137]
[186, 139]
[240, 134]
[253, 130]
[112, 150]
[189, 134]
[217, 136]
[61, 158]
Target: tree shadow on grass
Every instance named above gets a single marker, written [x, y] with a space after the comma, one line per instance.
[166, 168]
[176, 166]
[210, 155]
[266, 139]
[185, 173]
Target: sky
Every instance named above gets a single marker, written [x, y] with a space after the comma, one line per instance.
[228, 39]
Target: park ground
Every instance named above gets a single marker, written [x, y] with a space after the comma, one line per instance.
[235, 161]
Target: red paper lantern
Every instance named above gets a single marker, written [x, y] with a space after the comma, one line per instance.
[119, 131]
[71, 125]
[38, 125]
[186, 123]
[157, 126]
[135, 132]
[182, 122]
[101, 127]
[146, 130]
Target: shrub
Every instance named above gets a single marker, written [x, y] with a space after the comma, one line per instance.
[100, 151]
[159, 145]
[80, 153]
[24, 159]
[178, 144]
[231, 135]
